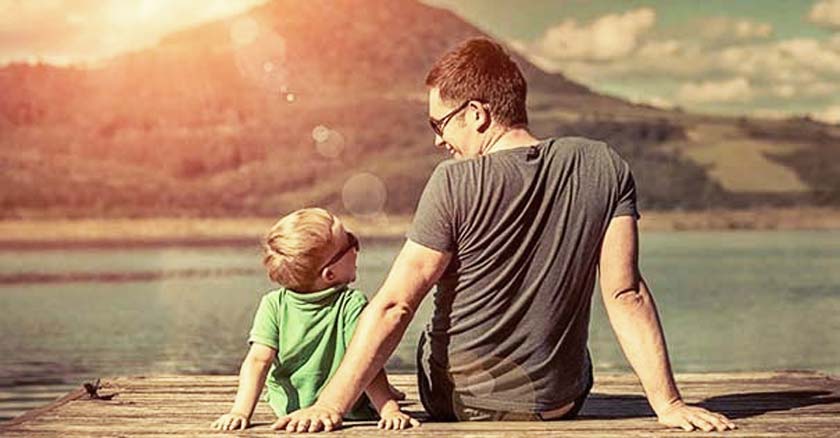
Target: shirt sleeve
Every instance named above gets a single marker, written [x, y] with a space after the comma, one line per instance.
[432, 225]
[355, 305]
[265, 329]
[626, 186]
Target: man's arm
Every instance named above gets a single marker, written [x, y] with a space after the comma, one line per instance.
[634, 319]
[380, 328]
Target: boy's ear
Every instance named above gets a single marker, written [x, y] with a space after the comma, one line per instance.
[327, 275]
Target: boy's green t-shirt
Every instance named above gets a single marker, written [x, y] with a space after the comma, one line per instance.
[310, 332]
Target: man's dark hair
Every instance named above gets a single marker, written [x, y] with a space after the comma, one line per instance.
[480, 69]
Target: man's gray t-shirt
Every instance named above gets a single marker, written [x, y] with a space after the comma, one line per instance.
[524, 227]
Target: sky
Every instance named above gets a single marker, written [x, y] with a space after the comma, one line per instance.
[769, 58]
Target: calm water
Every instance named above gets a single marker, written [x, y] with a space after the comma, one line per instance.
[729, 301]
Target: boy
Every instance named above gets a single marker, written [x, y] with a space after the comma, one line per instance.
[302, 329]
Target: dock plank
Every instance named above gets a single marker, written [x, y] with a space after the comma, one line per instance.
[776, 404]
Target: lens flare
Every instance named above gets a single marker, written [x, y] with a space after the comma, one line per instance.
[364, 194]
[260, 54]
[328, 142]
[321, 133]
[244, 31]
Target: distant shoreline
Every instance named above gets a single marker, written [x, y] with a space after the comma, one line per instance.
[21, 234]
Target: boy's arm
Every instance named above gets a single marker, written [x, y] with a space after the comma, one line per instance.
[379, 393]
[252, 376]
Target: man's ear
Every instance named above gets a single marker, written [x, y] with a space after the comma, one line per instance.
[482, 116]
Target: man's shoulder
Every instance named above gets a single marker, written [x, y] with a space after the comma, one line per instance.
[578, 144]
[449, 165]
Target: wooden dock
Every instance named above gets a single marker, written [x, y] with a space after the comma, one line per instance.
[782, 404]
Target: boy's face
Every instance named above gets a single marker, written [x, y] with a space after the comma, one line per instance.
[343, 269]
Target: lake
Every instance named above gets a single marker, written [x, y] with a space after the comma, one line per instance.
[729, 301]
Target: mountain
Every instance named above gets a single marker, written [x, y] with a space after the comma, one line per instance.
[322, 103]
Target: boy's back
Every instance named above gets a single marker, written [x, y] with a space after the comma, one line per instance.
[310, 332]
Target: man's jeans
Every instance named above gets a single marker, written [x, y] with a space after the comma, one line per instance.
[452, 410]
[466, 413]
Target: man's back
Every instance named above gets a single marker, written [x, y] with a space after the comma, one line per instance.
[511, 314]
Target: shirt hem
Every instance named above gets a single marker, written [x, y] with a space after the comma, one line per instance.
[262, 341]
[531, 408]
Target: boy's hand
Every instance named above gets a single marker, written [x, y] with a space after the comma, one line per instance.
[230, 421]
[392, 418]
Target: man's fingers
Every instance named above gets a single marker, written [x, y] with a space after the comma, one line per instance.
[701, 423]
[725, 420]
[683, 423]
[281, 423]
[717, 420]
[303, 425]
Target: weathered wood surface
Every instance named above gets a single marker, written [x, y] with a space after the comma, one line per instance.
[783, 404]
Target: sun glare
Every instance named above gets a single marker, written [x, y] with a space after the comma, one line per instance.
[97, 30]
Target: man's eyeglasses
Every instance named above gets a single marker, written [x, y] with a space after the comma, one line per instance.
[352, 243]
[438, 124]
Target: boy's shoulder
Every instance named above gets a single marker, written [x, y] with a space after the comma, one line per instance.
[346, 294]
[355, 296]
[274, 294]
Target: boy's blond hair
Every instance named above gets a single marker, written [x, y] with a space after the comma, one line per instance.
[296, 245]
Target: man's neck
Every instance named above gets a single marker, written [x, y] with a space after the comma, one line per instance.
[509, 139]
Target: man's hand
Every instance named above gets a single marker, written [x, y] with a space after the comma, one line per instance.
[231, 421]
[688, 418]
[312, 419]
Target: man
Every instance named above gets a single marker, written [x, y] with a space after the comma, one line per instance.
[512, 231]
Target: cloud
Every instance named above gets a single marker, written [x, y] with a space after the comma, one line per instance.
[785, 91]
[608, 37]
[731, 29]
[732, 90]
[828, 115]
[826, 13]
